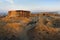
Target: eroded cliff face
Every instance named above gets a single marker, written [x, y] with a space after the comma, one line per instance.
[22, 25]
[18, 13]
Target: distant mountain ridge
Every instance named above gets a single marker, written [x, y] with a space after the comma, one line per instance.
[3, 13]
[38, 11]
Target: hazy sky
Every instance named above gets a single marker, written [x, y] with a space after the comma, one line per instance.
[30, 4]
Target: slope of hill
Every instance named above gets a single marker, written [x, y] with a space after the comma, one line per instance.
[42, 26]
[47, 29]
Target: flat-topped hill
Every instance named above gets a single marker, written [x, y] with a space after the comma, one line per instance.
[18, 13]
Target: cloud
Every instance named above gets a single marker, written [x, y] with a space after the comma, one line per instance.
[0, 2]
[23, 7]
[14, 7]
[10, 1]
[17, 7]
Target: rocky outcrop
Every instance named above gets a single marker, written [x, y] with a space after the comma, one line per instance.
[18, 13]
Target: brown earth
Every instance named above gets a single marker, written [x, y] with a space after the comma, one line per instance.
[43, 26]
[45, 30]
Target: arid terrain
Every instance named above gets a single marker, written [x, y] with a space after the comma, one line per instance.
[23, 25]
